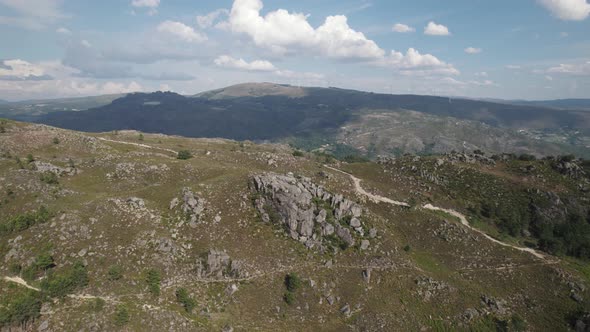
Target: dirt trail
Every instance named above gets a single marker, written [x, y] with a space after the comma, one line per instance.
[137, 144]
[461, 217]
[360, 190]
[22, 282]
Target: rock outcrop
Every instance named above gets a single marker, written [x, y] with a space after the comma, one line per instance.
[191, 206]
[218, 265]
[308, 212]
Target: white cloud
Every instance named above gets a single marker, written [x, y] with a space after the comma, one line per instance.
[207, 21]
[152, 5]
[402, 28]
[64, 31]
[418, 63]
[32, 14]
[298, 75]
[514, 67]
[64, 88]
[481, 74]
[548, 78]
[564, 34]
[86, 43]
[571, 10]
[21, 70]
[282, 32]
[181, 31]
[578, 69]
[145, 3]
[434, 29]
[473, 50]
[227, 61]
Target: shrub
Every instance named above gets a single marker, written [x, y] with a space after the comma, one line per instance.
[49, 178]
[60, 285]
[121, 315]
[407, 248]
[140, 137]
[115, 273]
[289, 298]
[298, 153]
[20, 309]
[292, 282]
[153, 281]
[527, 157]
[184, 155]
[24, 221]
[55, 140]
[30, 158]
[183, 298]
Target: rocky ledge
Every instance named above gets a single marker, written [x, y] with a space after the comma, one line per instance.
[308, 212]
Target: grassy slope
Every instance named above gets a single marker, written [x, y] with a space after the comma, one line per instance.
[87, 218]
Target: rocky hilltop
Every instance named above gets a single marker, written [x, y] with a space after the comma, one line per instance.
[133, 231]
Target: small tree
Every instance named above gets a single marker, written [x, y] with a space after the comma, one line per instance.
[289, 297]
[49, 178]
[140, 137]
[153, 280]
[121, 315]
[55, 140]
[292, 282]
[183, 298]
[184, 155]
[115, 273]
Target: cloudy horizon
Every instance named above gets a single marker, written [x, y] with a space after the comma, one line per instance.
[534, 49]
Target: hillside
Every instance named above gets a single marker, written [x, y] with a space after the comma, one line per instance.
[31, 109]
[112, 231]
[312, 118]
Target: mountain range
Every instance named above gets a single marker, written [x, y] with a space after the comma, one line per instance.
[333, 120]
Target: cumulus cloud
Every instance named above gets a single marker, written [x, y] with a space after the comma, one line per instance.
[402, 28]
[207, 21]
[145, 3]
[64, 88]
[32, 14]
[473, 50]
[21, 70]
[152, 5]
[570, 10]
[434, 29]
[578, 69]
[181, 31]
[63, 31]
[227, 61]
[299, 75]
[413, 61]
[282, 31]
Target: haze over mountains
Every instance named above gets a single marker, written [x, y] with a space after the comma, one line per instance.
[334, 120]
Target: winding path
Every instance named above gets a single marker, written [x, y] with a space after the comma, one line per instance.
[22, 282]
[137, 144]
[461, 217]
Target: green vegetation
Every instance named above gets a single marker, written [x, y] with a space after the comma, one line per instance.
[298, 153]
[184, 298]
[62, 284]
[140, 137]
[49, 177]
[121, 315]
[289, 297]
[20, 309]
[55, 140]
[292, 282]
[184, 155]
[115, 273]
[24, 221]
[153, 281]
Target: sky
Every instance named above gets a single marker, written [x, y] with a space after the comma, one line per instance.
[508, 49]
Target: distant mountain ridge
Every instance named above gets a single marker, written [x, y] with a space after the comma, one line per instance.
[346, 121]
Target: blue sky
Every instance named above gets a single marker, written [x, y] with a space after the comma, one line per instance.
[525, 49]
